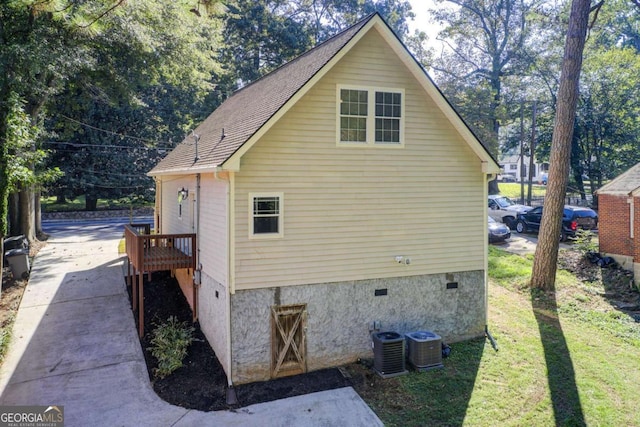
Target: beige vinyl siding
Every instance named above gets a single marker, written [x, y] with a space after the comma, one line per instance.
[350, 210]
[213, 227]
[172, 222]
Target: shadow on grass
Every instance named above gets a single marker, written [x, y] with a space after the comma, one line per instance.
[567, 409]
[438, 397]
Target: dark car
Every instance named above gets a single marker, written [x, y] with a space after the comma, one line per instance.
[498, 232]
[574, 218]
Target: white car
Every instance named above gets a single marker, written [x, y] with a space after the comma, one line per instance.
[505, 210]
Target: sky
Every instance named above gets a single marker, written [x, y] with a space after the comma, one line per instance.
[421, 22]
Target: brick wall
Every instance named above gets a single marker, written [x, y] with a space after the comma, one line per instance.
[613, 224]
[636, 249]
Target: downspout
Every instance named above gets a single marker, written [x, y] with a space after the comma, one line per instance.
[157, 211]
[197, 274]
[231, 393]
[490, 177]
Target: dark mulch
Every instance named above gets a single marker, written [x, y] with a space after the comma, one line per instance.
[201, 383]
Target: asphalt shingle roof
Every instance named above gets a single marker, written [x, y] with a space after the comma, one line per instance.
[626, 183]
[247, 110]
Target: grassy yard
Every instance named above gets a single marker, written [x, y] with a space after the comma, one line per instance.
[568, 358]
[512, 190]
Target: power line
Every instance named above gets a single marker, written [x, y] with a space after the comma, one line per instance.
[109, 131]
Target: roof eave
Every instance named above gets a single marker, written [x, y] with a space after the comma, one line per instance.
[187, 171]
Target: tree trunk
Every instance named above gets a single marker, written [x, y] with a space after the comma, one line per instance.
[543, 275]
[27, 216]
[37, 207]
[13, 204]
[493, 186]
[90, 203]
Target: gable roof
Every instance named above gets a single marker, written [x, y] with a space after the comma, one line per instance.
[245, 116]
[625, 184]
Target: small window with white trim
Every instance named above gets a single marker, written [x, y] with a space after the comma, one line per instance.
[370, 116]
[266, 215]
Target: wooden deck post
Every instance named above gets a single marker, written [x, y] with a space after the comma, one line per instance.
[134, 291]
[141, 305]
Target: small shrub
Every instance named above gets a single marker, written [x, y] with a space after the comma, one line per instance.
[584, 242]
[169, 343]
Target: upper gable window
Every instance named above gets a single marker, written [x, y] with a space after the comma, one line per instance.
[370, 116]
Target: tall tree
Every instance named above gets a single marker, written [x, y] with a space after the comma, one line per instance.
[485, 45]
[261, 35]
[42, 43]
[545, 262]
[155, 67]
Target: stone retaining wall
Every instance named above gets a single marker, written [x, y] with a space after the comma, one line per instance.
[119, 213]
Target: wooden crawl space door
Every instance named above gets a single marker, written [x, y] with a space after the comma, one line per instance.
[288, 340]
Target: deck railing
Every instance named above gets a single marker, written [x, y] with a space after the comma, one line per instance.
[147, 253]
[155, 252]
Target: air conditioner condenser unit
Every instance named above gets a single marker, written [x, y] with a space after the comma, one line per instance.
[388, 354]
[424, 350]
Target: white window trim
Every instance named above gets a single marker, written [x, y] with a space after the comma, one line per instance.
[261, 236]
[371, 119]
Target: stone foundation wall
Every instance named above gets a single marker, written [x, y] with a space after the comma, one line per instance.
[341, 316]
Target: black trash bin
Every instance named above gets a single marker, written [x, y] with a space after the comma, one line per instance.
[18, 260]
[15, 242]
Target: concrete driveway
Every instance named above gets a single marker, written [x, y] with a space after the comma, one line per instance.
[523, 244]
[75, 345]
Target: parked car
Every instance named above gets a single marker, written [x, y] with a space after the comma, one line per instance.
[503, 209]
[574, 218]
[498, 232]
[507, 178]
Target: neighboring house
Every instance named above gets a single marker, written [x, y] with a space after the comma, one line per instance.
[619, 220]
[323, 200]
[513, 167]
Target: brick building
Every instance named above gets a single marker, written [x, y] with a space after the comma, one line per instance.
[619, 220]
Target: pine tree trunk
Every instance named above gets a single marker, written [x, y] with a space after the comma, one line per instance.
[546, 256]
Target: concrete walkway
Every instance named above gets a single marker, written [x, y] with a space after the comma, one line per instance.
[75, 345]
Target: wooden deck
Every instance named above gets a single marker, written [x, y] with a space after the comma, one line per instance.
[148, 252]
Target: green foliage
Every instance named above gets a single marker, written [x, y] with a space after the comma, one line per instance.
[584, 242]
[261, 35]
[169, 344]
[25, 158]
[5, 337]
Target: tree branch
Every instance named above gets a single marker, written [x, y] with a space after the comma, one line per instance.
[103, 14]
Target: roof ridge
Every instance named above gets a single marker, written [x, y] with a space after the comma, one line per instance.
[308, 52]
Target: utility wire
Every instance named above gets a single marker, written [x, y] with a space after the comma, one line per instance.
[110, 132]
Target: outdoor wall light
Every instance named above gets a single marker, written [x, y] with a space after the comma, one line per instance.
[183, 194]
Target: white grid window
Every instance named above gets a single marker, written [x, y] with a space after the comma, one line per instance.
[266, 215]
[370, 116]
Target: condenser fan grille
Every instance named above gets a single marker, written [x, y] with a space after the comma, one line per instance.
[388, 354]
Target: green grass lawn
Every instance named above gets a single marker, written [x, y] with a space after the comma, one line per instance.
[564, 359]
[512, 190]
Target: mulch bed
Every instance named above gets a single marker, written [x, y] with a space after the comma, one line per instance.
[201, 382]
